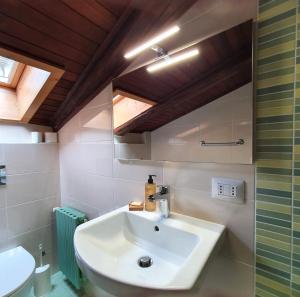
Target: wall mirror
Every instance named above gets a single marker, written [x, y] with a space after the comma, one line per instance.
[199, 109]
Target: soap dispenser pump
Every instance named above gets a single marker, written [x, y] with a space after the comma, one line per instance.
[150, 189]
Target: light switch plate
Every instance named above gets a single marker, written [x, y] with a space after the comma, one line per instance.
[232, 190]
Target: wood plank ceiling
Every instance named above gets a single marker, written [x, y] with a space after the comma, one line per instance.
[224, 64]
[87, 37]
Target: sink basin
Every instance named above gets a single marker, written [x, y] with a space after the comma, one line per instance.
[177, 248]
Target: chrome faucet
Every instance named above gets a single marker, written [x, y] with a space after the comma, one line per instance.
[163, 195]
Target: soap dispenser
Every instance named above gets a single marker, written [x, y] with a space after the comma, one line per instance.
[150, 189]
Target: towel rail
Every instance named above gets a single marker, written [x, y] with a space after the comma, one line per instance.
[232, 143]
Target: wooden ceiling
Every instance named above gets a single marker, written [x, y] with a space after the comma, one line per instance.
[224, 64]
[86, 37]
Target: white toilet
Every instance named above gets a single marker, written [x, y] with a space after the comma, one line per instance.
[16, 272]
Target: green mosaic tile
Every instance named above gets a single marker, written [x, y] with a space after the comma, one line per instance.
[277, 149]
[273, 221]
[272, 256]
[276, 57]
[274, 89]
[285, 194]
[277, 65]
[275, 96]
[274, 126]
[273, 156]
[274, 141]
[276, 119]
[268, 230]
[273, 249]
[266, 5]
[274, 199]
[274, 148]
[277, 34]
[273, 270]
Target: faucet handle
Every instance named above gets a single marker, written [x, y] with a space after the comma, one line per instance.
[163, 189]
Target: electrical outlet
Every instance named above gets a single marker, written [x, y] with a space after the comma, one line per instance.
[228, 189]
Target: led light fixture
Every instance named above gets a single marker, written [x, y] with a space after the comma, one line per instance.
[152, 42]
[170, 60]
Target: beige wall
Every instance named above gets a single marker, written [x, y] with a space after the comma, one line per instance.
[226, 119]
[26, 202]
[32, 190]
[94, 182]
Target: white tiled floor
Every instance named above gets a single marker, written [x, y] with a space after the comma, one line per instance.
[61, 288]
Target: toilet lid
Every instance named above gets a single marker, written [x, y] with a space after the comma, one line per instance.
[16, 267]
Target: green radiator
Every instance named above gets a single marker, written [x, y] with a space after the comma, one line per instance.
[67, 219]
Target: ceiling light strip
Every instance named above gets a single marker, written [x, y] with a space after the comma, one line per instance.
[172, 60]
[152, 42]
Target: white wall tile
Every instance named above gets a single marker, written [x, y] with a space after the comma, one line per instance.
[105, 97]
[33, 176]
[30, 216]
[19, 133]
[3, 225]
[96, 124]
[69, 133]
[227, 278]
[32, 239]
[1, 154]
[2, 196]
[24, 158]
[91, 212]
[238, 219]
[128, 190]
[96, 158]
[100, 192]
[137, 170]
[224, 120]
[24, 188]
[198, 176]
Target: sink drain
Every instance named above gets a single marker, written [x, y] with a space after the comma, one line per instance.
[145, 261]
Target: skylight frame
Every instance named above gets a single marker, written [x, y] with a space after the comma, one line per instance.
[120, 95]
[25, 109]
[15, 72]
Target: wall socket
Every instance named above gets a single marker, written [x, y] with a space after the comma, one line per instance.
[228, 189]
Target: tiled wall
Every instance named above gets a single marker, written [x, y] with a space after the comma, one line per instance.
[94, 182]
[19, 133]
[32, 190]
[277, 193]
[224, 120]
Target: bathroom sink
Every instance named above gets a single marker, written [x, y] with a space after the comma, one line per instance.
[141, 249]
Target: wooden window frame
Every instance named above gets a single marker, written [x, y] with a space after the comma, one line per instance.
[56, 72]
[16, 77]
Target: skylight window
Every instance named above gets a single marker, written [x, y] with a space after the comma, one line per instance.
[8, 69]
[24, 84]
[127, 106]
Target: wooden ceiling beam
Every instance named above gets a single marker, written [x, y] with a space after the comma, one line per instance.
[141, 19]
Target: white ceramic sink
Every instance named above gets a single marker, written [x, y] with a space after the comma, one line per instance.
[112, 244]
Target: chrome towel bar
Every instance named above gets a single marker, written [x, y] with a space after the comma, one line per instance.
[232, 143]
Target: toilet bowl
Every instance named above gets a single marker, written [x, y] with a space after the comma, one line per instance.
[16, 272]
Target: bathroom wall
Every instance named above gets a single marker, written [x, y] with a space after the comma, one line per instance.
[224, 120]
[94, 182]
[32, 190]
[277, 146]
